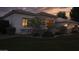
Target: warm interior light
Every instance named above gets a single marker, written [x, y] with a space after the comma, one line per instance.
[65, 25]
[24, 22]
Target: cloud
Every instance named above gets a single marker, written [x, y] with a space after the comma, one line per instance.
[51, 10]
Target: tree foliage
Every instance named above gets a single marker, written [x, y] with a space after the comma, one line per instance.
[62, 15]
[74, 14]
[5, 27]
[36, 22]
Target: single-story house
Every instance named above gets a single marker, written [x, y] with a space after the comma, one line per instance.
[68, 24]
[21, 20]
[18, 19]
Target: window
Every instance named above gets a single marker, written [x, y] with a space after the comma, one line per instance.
[25, 22]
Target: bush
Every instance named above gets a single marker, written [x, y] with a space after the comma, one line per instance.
[47, 34]
[3, 25]
[10, 30]
[62, 15]
[6, 28]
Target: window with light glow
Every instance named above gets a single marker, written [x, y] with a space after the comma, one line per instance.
[25, 22]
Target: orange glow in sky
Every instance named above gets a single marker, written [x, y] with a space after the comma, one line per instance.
[56, 10]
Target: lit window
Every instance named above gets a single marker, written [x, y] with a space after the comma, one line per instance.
[25, 22]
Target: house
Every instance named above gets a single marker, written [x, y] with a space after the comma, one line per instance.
[21, 20]
[65, 22]
[68, 24]
[47, 19]
[58, 22]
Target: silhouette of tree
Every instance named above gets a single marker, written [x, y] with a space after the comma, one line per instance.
[62, 14]
[74, 14]
[5, 27]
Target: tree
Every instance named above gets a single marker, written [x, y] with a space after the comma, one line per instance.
[62, 14]
[4, 25]
[74, 14]
[36, 25]
[36, 22]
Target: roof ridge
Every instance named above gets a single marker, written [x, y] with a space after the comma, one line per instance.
[18, 11]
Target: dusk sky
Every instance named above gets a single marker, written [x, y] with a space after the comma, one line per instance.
[51, 10]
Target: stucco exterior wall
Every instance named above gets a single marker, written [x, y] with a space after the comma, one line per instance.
[15, 20]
